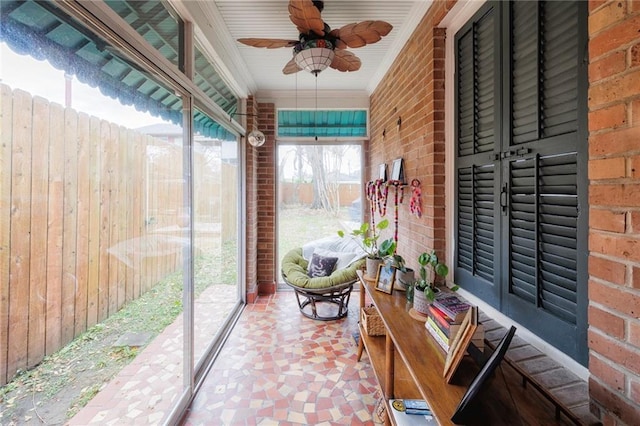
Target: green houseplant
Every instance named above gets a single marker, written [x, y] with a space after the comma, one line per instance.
[432, 273]
[368, 237]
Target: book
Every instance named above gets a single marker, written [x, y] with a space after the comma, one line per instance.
[443, 322]
[402, 418]
[452, 306]
[416, 406]
[445, 342]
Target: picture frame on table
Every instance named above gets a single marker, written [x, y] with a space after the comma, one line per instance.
[465, 410]
[460, 343]
[386, 277]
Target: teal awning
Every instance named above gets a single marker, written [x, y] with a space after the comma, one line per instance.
[43, 31]
[322, 123]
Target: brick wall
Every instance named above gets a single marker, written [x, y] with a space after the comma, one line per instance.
[413, 91]
[266, 201]
[614, 214]
[251, 247]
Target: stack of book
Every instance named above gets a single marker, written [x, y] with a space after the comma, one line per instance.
[410, 412]
[444, 317]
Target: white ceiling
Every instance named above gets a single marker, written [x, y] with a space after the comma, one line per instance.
[258, 70]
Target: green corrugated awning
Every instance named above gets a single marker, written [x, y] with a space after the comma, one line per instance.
[322, 123]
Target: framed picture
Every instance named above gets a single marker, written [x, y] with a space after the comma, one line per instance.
[386, 278]
[459, 344]
[465, 408]
[382, 172]
[397, 172]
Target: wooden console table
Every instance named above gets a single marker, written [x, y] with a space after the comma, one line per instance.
[408, 364]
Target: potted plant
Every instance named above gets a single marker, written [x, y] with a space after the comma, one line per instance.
[368, 237]
[432, 272]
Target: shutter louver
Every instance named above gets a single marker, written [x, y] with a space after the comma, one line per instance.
[475, 220]
[525, 99]
[558, 216]
[522, 223]
[465, 219]
[483, 206]
[560, 69]
[543, 232]
[484, 84]
[466, 128]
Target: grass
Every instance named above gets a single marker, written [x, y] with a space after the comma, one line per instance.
[298, 225]
[84, 365]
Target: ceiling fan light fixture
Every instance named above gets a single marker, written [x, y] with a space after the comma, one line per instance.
[314, 55]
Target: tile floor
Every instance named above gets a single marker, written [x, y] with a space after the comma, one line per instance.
[276, 368]
[280, 368]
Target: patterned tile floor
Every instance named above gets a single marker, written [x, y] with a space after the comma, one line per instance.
[280, 368]
[276, 368]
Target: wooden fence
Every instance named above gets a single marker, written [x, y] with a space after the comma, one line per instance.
[83, 208]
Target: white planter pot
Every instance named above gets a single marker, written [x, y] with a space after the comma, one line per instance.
[372, 268]
[420, 302]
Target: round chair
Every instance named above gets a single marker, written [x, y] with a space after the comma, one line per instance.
[334, 289]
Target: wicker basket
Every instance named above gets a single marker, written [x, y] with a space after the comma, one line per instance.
[371, 321]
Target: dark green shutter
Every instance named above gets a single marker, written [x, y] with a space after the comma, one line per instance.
[524, 186]
[476, 143]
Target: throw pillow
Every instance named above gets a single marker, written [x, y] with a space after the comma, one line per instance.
[321, 266]
[344, 259]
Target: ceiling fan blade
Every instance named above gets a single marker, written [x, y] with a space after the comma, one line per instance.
[291, 67]
[269, 43]
[338, 43]
[362, 33]
[345, 61]
[306, 17]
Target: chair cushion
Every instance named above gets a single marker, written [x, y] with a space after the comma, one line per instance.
[294, 271]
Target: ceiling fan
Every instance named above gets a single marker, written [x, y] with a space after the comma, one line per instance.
[318, 46]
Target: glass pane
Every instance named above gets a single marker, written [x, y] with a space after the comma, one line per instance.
[153, 21]
[320, 189]
[91, 190]
[215, 216]
[208, 79]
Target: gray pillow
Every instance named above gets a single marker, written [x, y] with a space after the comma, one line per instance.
[321, 266]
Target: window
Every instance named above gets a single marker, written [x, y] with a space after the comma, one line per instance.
[521, 166]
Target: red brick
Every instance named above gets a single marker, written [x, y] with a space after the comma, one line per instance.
[607, 168]
[634, 389]
[623, 195]
[614, 89]
[619, 141]
[635, 117]
[603, 370]
[614, 403]
[615, 37]
[608, 270]
[606, 16]
[607, 220]
[616, 299]
[611, 324]
[634, 167]
[635, 277]
[595, 4]
[634, 55]
[608, 66]
[614, 350]
[634, 333]
[621, 246]
[608, 118]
